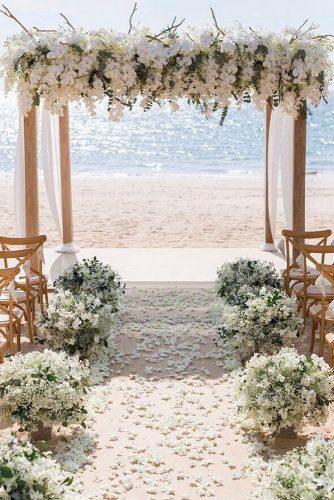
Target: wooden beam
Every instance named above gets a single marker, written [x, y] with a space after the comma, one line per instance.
[299, 161]
[65, 176]
[31, 173]
[268, 236]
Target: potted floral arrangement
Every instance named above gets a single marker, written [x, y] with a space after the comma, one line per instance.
[302, 473]
[237, 280]
[42, 389]
[93, 277]
[27, 473]
[277, 393]
[71, 323]
[266, 322]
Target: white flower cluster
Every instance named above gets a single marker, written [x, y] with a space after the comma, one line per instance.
[267, 322]
[26, 473]
[283, 390]
[305, 473]
[93, 277]
[240, 279]
[209, 69]
[43, 388]
[71, 323]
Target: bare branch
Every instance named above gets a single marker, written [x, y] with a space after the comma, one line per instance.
[295, 35]
[173, 27]
[9, 14]
[253, 31]
[216, 23]
[156, 39]
[131, 17]
[67, 22]
[320, 37]
[44, 31]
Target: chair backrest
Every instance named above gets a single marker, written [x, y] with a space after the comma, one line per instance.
[327, 270]
[7, 276]
[323, 251]
[294, 240]
[19, 256]
[32, 242]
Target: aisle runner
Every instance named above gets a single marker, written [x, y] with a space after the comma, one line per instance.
[166, 430]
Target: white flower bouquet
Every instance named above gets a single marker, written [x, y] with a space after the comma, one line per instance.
[302, 474]
[95, 278]
[71, 323]
[27, 473]
[238, 280]
[42, 389]
[267, 322]
[283, 390]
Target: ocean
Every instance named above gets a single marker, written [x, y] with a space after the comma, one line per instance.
[158, 142]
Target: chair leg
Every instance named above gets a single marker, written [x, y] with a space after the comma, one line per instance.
[313, 329]
[29, 321]
[1, 355]
[18, 337]
[46, 294]
[321, 339]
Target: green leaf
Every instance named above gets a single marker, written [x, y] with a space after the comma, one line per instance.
[51, 378]
[6, 472]
[68, 481]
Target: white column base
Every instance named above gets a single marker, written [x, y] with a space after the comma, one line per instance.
[268, 247]
[67, 248]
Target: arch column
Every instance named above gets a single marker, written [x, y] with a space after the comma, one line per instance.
[66, 184]
[31, 173]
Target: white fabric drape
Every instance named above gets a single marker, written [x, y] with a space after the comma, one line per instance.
[280, 157]
[287, 168]
[19, 183]
[275, 129]
[50, 157]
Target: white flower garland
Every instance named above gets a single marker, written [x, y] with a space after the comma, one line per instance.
[282, 390]
[210, 69]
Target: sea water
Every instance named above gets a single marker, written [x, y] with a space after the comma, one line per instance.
[158, 142]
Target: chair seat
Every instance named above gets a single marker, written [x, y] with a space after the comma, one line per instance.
[329, 338]
[315, 312]
[297, 273]
[313, 291]
[33, 279]
[20, 297]
[4, 317]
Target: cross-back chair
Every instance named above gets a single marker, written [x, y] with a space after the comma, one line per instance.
[293, 275]
[10, 317]
[37, 281]
[309, 294]
[24, 298]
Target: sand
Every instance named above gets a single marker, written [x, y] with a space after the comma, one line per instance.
[166, 428]
[170, 211]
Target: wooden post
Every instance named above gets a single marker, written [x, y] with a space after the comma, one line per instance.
[65, 177]
[269, 244]
[299, 161]
[31, 173]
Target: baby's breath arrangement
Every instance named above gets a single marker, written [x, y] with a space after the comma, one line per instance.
[238, 280]
[266, 322]
[27, 473]
[93, 277]
[305, 473]
[281, 391]
[71, 323]
[43, 388]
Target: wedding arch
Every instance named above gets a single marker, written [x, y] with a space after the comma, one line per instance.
[285, 74]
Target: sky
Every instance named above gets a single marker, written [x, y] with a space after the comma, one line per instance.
[92, 14]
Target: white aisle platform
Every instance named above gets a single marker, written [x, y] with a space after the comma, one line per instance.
[160, 265]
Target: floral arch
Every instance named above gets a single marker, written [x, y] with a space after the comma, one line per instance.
[212, 69]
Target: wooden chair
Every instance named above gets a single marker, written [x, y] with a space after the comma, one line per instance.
[322, 315]
[309, 294]
[10, 317]
[293, 275]
[24, 299]
[37, 281]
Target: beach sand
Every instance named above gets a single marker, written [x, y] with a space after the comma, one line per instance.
[170, 211]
